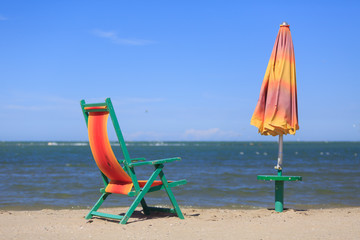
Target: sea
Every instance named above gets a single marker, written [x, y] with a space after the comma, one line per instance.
[63, 175]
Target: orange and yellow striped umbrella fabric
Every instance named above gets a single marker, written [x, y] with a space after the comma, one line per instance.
[276, 111]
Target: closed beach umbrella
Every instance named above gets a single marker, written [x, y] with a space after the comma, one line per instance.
[276, 112]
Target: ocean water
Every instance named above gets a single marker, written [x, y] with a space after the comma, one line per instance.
[37, 175]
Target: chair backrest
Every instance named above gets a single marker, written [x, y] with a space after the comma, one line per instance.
[96, 117]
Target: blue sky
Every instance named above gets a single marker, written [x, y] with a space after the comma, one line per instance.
[175, 70]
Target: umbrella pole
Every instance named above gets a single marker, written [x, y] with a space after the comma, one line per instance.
[279, 185]
[280, 156]
[279, 179]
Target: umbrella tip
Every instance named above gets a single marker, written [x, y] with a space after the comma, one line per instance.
[284, 24]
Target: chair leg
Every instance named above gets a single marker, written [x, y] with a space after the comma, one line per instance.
[145, 207]
[140, 197]
[97, 205]
[171, 195]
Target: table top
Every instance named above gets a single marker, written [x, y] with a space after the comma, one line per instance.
[279, 178]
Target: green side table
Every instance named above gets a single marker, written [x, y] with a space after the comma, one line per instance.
[279, 187]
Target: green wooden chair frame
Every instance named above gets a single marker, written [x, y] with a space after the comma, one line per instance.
[138, 189]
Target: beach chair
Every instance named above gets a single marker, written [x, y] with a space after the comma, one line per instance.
[118, 179]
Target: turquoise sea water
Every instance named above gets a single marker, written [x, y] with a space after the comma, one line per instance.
[36, 175]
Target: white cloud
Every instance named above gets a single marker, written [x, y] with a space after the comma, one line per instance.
[143, 136]
[113, 36]
[26, 108]
[210, 134]
[41, 103]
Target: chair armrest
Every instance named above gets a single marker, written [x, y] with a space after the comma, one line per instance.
[133, 160]
[154, 162]
[138, 159]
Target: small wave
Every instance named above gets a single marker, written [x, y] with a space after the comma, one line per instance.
[162, 144]
[156, 144]
[76, 144]
[79, 144]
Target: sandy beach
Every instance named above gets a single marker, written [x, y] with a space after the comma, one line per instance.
[339, 223]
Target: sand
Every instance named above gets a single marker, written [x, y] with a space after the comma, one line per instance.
[338, 223]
